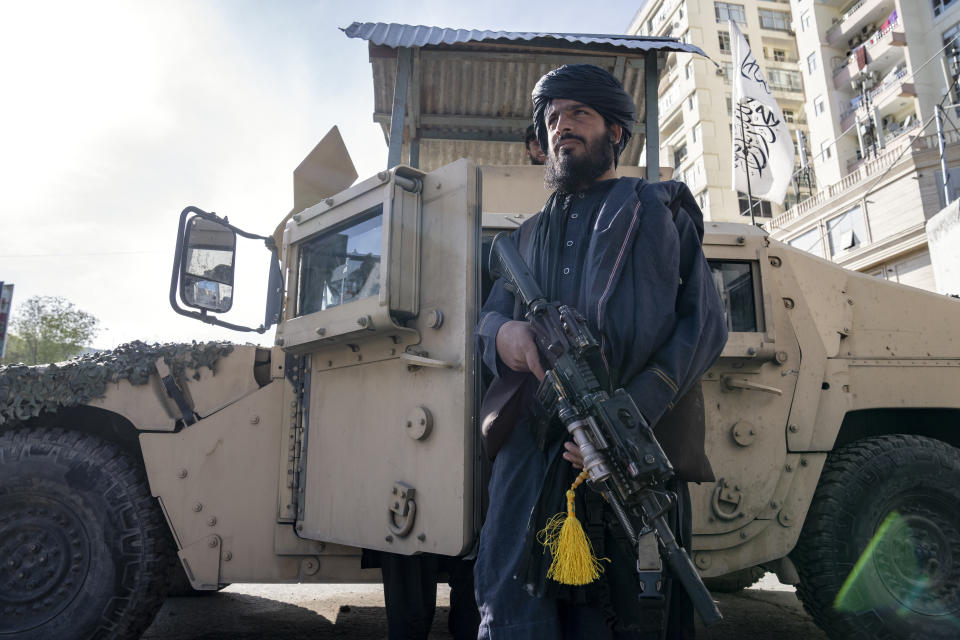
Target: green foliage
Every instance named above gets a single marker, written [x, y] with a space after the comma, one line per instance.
[48, 329]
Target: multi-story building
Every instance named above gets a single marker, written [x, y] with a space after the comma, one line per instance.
[695, 95]
[874, 71]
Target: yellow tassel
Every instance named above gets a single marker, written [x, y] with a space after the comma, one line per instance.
[573, 561]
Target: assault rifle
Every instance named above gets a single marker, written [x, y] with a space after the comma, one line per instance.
[623, 458]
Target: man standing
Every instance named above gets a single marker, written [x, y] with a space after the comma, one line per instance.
[627, 254]
[534, 152]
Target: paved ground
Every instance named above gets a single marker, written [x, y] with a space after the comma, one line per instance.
[318, 612]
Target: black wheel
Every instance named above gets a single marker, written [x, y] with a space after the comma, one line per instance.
[736, 581]
[84, 549]
[879, 554]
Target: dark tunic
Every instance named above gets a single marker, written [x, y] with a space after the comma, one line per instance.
[628, 255]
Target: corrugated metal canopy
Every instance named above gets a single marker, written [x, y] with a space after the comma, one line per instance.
[469, 91]
[407, 35]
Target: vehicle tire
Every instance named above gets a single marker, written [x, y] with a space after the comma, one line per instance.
[879, 554]
[84, 549]
[735, 581]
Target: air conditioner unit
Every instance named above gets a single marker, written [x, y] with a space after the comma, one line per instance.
[720, 71]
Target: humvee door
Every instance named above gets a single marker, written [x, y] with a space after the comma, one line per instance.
[382, 301]
[748, 393]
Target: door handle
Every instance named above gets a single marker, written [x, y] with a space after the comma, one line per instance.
[414, 360]
[730, 383]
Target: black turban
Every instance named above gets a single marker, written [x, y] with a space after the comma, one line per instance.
[590, 85]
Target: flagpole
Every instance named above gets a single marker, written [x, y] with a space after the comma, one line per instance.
[746, 160]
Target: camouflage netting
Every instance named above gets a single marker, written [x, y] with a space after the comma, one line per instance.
[26, 392]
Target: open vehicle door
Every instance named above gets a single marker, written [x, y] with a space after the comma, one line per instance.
[382, 285]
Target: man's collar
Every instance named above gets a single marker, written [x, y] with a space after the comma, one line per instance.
[599, 185]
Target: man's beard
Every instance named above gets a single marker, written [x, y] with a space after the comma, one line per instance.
[574, 172]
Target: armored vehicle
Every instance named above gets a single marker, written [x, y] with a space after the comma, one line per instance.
[831, 413]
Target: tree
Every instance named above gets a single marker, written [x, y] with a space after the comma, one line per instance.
[48, 329]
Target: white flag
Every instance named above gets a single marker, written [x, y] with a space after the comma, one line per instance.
[761, 140]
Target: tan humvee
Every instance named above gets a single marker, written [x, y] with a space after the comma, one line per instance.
[829, 421]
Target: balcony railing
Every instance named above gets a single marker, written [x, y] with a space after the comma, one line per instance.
[891, 140]
[836, 27]
[867, 170]
[778, 86]
[894, 84]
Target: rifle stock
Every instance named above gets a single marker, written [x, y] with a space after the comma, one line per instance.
[620, 451]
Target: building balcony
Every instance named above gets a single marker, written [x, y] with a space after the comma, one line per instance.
[907, 148]
[668, 80]
[672, 99]
[787, 94]
[658, 25]
[882, 52]
[859, 22]
[893, 94]
[896, 135]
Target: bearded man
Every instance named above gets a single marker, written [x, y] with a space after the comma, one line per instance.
[627, 254]
[534, 153]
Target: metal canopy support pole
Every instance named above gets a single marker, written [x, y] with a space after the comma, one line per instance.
[413, 122]
[650, 81]
[404, 62]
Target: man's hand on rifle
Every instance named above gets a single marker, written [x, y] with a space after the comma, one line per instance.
[517, 350]
[573, 455]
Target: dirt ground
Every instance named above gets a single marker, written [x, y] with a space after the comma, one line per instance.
[317, 612]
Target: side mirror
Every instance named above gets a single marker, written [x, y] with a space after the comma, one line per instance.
[203, 268]
[206, 269]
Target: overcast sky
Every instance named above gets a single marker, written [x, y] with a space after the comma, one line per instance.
[116, 115]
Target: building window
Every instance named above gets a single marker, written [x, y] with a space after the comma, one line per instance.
[804, 21]
[809, 242]
[728, 11]
[724, 37]
[812, 62]
[695, 133]
[727, 72]
[824, 150]
[819, 105]
[846, 231]
[788, 115]
[784, 80]
[939, 6]
[729, 106]
[779, 55]
[679, 155]
[692, 101]
[761, 208]
[948, 38]
[688, 70]
[703, 199]
[776, 20]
